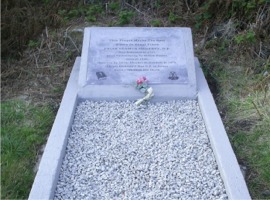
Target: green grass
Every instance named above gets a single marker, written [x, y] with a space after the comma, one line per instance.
[23, 130]
[250, 136]
[253, 147]
[244, 99]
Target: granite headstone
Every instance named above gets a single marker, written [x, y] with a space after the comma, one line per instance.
[118, 56]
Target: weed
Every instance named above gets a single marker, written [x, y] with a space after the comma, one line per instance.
[67, 15]
[33, 44]
[68, 55]
[24, 129]
[204, 14]
[58, 89]
[224, 44]
[157, 4]
[155, 23]
[63, 14]
[198, 19]
[245, 8]
[211, 44]
[125, 17]
[247, 37]
[114, 6]
[173, 18]
[47, 2]
[93, 12]
[112, 23]
[74, 13]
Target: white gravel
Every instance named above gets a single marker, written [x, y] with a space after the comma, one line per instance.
[117, 150]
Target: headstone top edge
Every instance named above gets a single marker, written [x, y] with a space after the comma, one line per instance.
[150, 28]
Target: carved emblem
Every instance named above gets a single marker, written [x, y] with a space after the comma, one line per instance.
[101, 75]
[173, 76]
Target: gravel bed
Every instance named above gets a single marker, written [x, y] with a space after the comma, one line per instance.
[117, 150]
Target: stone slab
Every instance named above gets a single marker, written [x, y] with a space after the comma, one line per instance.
[118, 56]
[47, 175]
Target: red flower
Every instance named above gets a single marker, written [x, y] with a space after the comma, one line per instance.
[139, 81]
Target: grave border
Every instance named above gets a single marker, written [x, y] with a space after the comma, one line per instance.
[48, 172]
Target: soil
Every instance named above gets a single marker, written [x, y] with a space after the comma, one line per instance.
[39, 77]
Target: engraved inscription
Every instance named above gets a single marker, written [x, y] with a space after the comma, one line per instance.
[136, 55]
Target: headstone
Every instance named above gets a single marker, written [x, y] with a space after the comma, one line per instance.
[118, 56]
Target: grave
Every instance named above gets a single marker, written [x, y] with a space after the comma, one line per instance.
[112, 59]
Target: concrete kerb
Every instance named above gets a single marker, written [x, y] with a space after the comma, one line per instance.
[235, 184]
[50, 165]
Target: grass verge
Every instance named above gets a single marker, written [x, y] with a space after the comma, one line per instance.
[23, 130]
[243, 99]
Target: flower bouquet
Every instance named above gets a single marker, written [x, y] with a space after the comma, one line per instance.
[142, 86]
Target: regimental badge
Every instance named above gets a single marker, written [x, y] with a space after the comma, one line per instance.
[101, 75]
[173, 76]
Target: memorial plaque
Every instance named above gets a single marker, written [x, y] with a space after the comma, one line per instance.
[118, 56]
